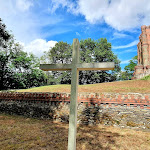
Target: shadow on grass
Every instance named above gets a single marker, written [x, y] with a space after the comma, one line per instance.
[44, 134]
[94, 138]
[18, 132]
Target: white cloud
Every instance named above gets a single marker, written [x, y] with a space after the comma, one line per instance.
[126, 46]
[92, 10]
[78, 34]
[119, 14]
[18, 18]
[23, 5]
[125, 62]
[38, 46]
[26, 23]
[71, 6]
[126, 51]
[117, 35]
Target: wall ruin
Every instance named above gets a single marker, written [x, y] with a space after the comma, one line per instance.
[143, 49]
[126, 110]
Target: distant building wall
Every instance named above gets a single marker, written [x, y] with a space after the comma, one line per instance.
[143, 50]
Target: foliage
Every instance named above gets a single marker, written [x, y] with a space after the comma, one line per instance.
[146, 78]
[4, 34]
[129, 69]
[17, 68]
[97, 51]
[132, 63]
[124, 75]
[131, 124]
[90, 51]
[60, 54]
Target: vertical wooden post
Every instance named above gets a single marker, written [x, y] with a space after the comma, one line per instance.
[74, 94]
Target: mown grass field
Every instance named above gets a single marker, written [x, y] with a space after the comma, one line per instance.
[133, 86]
[17, 132]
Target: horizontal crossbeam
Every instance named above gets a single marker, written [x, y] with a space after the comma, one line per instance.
[96, 66]
[55, 67]
[83, 66]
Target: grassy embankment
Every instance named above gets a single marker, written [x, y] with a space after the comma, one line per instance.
[18, 132]
[133, 86]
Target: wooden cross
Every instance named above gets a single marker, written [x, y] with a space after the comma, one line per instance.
[75, 67]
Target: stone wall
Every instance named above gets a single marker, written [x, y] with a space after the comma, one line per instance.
[130, 110]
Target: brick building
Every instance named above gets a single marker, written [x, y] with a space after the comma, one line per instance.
[143, 67]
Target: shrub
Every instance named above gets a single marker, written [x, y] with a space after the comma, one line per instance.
[146, 78]
[131, 124]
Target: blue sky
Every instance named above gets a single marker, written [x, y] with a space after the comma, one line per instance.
[39, 24]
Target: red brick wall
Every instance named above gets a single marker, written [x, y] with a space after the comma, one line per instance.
[128, 99]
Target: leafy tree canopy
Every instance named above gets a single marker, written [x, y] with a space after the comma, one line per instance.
[129, 69]
[4, 34]
[17, 68]
[132, 63]
[90, 51]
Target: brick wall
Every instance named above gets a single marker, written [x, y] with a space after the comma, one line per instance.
[128, 99]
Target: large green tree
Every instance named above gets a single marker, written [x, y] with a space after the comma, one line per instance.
[5, 37]
[97, 51]
[90, 51]
[17, 68]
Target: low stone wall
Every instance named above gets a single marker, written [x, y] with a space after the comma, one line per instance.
[123, 110]
[129, 99]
